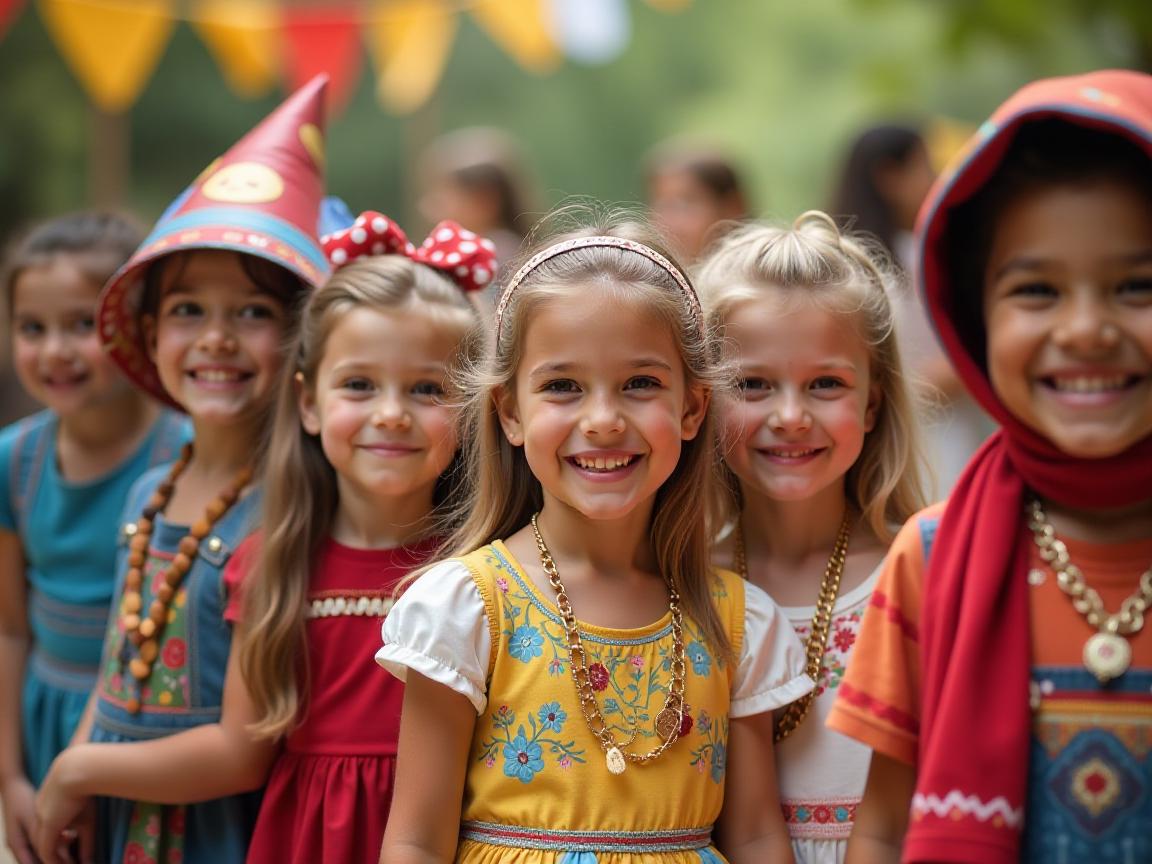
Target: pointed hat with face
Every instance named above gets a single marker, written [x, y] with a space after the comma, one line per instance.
[260, 198]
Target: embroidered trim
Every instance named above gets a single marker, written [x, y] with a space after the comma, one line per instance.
[334, 607]
[820, 820]
[894, 614]
[956, 805]
[890, 713]
[552, 615]
[670, 840]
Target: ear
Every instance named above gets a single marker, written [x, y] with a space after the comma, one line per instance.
[697, 397]
[306, 403]
[872, 410]
[509, 413]
[148, 327]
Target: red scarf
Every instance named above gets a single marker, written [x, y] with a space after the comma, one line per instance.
[975, 719]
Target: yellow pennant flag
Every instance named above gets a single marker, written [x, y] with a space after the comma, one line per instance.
[244, 38]
[112, 46]
[410, 41]
[521, 29]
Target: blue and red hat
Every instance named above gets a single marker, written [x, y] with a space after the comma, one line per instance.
[260, 198]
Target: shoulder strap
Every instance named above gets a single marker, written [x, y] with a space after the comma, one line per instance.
[171, 433]
[29, 452]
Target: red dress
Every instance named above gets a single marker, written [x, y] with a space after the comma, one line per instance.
[331, 785]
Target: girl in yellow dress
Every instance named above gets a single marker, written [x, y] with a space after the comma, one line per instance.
[581, 685]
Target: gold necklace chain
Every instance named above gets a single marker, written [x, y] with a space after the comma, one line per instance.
[1107, 654]
[796, 711]
[671, 716]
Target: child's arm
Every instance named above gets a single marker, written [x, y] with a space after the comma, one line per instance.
[882, 816]
[751, 828]
[199, 764]
[15, 790]
[435, 736]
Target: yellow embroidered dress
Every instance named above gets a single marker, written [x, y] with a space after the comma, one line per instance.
[538, 790]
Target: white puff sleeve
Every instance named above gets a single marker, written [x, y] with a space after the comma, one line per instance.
[439, 628]
[770, 672]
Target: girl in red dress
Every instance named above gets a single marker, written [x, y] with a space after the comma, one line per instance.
[363, 450]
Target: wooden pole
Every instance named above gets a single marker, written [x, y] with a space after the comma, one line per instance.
[109, 157]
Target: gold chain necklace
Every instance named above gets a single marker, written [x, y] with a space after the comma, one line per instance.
[671, 716]
[1107, 653]
[796, 711]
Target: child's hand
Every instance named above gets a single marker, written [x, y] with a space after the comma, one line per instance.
[63, 818]
[19, 818]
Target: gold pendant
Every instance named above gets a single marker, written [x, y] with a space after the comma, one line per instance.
[668, 723]
[1107, 656]
[615, 760]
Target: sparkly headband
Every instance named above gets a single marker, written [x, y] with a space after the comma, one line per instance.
[599, 241]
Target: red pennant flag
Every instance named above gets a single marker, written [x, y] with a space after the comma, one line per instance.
[324, 39]
[8, 10]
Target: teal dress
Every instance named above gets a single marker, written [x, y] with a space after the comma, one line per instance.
[68, 533]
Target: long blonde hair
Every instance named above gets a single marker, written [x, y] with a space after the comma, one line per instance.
[500, 491]
[814, 262]
[300, 489]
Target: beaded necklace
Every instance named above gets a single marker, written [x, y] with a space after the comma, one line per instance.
[145, 631]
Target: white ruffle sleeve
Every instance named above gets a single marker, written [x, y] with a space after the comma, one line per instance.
[439, 628]
[770, 672]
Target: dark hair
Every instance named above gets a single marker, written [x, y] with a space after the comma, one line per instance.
[100, 242]
[858, 203]
[707, 166]
[1047, 152]
[269, 276]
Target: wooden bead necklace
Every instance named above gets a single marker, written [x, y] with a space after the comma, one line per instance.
[145, 631]
[671, 717]
[794, 714]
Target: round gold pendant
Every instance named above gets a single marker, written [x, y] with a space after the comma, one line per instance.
[1107, 656]
[667, 723]
[615, 760]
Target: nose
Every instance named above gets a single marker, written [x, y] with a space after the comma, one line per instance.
[1087, 324]
[58, 345]
[601, 415]
[788, 411]
[391, 411]
[217, 337]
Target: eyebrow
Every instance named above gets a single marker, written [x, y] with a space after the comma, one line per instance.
[353, 365]
[568, 366]
[1027, 264]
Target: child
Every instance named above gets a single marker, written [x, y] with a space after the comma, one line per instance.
[1003, 674]
[530, 735]
[820, 449]
[696, 194]
[64, 474]
[362, 450]
[197, 317]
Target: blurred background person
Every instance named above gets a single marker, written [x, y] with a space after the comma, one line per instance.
[695, 191]
[886, 175]
[479, 176]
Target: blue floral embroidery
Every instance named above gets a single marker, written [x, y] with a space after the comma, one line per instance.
[526, 643]
[700, 658]
[712, 755]
[552, 717]
[524, 753]
[522, 758]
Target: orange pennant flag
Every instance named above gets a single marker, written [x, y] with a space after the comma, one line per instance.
[112, 46]
[410, 40]
[520, 27]
[243, 37]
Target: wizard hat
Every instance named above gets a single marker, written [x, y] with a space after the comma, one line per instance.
[260, 198]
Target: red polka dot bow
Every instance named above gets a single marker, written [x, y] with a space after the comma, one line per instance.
[464, 257]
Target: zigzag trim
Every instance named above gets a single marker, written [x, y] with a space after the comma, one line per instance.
[894, 614]
[956, 804]
[890, 713]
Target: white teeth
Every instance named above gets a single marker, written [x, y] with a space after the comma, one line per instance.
[1090, 384]
[791, 454]
[601, 463]
[217, 375]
